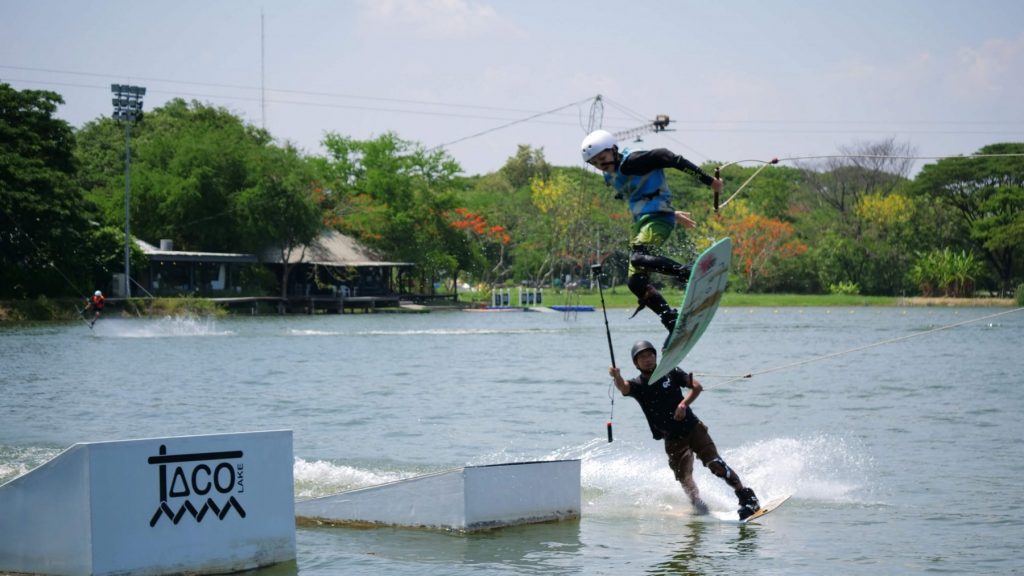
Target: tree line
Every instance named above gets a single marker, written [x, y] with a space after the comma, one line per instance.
[854, 223]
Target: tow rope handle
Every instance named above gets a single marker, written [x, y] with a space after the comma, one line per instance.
[595, 270]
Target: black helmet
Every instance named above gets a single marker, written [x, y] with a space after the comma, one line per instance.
[640, 346]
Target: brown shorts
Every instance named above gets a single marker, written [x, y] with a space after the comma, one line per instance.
[681, 450]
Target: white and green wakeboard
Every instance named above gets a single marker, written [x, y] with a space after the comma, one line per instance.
[703, 293]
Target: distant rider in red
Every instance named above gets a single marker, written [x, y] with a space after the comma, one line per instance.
[96, 303]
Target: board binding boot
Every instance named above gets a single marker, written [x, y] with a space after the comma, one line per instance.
[668, 319]
[682, 274]
[656, 302]
[748, 503]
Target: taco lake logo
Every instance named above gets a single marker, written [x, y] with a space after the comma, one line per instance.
[197, 484]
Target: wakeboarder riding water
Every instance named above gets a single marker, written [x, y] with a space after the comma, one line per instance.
[670, 417]
[97, 302]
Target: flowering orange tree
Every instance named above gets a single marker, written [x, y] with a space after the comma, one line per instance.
[759, 243]
[476, 225]
[483, 239]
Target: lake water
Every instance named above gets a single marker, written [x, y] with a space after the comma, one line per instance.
[901, 458]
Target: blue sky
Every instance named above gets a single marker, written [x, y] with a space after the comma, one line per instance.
[741, 79]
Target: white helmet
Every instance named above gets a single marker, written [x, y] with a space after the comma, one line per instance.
[596, 142]
[98, 293]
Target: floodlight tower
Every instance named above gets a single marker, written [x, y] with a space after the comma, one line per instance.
[128, 108]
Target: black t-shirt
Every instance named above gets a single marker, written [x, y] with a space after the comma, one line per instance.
[659, 400]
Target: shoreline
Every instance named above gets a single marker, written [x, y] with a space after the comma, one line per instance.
[958, 302]
[60, 310]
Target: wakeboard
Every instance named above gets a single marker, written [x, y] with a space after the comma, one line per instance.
[767, 507]
[704, 291]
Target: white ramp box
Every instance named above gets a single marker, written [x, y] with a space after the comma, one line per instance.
[191, 504]
[465, 499]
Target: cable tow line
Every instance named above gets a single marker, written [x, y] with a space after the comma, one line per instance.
[53, 265]
[766, 163]
[744, 185]
[857, 349]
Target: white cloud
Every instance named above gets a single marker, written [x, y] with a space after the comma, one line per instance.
[993, 65]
